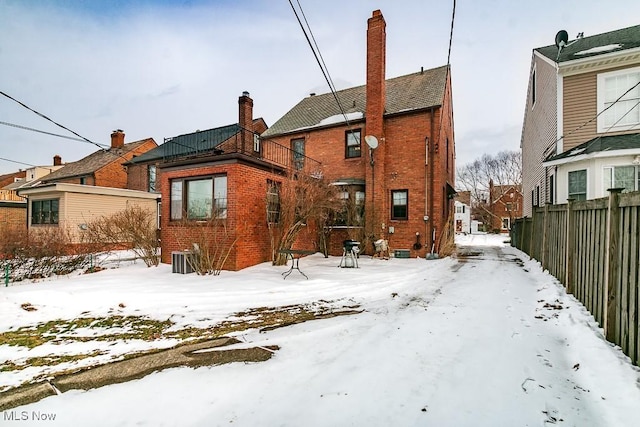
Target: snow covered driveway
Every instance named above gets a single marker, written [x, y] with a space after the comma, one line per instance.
[486, 340]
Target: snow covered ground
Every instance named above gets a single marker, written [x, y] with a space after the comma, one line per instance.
[486, 340]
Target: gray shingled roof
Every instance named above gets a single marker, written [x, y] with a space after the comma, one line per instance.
[406, 93]
[627, 38]
[601, 143]
[93, 162]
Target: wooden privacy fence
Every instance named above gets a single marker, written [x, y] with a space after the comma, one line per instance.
[593, 247]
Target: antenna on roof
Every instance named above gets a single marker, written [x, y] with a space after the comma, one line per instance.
[562, 41]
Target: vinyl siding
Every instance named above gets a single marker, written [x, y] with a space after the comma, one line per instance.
[579, 106]
[539, 130]
[78, 208]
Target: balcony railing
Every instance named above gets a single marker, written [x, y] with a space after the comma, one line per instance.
[207, 144]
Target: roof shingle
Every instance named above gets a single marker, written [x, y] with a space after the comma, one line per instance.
[617, 40]
[94, 161]
[404, 94]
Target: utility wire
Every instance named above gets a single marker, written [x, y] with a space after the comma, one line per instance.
[50, 120]
[64, 127]
[43, 132]
[15, 161]
[592, 119]
[316, 53]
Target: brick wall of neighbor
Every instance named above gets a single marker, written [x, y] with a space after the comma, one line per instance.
[246, 215]
[138, 177]
[13, 215]
[115, 174]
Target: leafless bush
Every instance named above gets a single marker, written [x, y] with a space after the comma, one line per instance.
[447, 245]
[302, 199]
[210, 243]
[134, 227]
[39, 253]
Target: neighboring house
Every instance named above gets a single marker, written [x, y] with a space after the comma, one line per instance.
[582, 119]
[13, 208]
[103, 168]
[73, 206]
[462, 217]
[505, 206]
[10, 178]
[94, 186]
[406, 180]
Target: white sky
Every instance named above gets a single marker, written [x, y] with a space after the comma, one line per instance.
[164, 68]
[491, 342]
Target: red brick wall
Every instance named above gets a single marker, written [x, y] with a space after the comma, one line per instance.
[115, 174]
[138, 177]
[399, 165]
[246, 215]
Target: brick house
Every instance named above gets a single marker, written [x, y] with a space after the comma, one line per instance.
[580, 131]
[505, 205]
[13, 208]
[406, 182]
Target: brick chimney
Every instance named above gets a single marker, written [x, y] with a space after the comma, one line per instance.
[376, 62]
[245, 121]
[117, 139]
[57, 160]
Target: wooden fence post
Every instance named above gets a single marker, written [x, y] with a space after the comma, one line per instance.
[570, 234]
[545, 241]
[533, 231]
[612, 276]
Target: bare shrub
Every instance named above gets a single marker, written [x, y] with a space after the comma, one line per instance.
[40, 252]
[302, 199]
[447, 245]
[134, 227]
[209, 242]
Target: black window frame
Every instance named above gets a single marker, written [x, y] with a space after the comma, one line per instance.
[396, 210]
[152, 178]
[40, 216]
[297, 155]
[353, 150]
[273, 202]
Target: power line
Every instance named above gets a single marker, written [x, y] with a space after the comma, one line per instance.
[64, 127]
[43, 132]
[318, 55]
[593, 118]
[15, 161]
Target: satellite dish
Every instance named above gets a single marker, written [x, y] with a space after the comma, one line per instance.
[562, 38]
[371, 141]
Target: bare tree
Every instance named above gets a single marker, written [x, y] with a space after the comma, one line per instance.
[489, 178]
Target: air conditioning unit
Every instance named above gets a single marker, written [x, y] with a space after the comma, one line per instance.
[181, 262]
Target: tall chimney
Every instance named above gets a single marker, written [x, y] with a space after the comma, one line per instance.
[245, 121]
[376, 52]
[57, 160]
[117, 139]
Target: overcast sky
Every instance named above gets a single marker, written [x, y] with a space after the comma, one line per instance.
[163, 68]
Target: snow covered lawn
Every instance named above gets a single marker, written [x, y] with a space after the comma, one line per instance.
[486, 340]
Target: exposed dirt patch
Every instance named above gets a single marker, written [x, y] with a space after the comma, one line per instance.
[199, 347]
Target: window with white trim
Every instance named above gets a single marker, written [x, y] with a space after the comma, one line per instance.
[627, 177]
[622, 113]
[578, 184]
